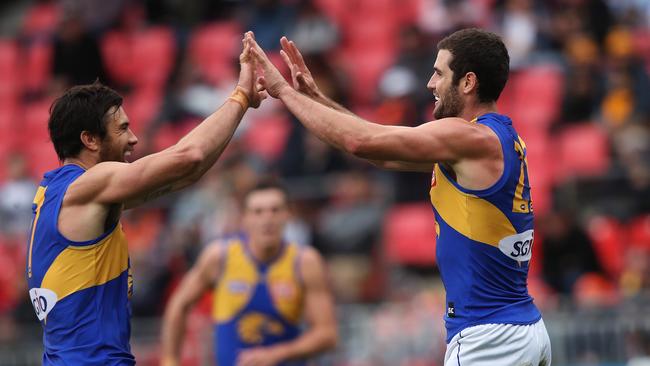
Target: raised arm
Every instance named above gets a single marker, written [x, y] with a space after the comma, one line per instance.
[321, 334]
[448, 139]
[195, 283]
[177, 166]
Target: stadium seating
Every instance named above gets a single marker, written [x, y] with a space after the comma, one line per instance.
[410, 235]
[639, 232]
[214, 48]
[37, 66]
[267, 136]
[582, 150]
[10, 59]
[608, 237]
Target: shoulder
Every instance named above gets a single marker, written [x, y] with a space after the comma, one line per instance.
[214, 252]
[312, 266]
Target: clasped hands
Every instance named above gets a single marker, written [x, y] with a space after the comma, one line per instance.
[259, 76]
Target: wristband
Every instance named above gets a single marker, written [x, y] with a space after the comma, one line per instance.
[239, 96]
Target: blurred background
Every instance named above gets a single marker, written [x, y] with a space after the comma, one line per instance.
[579, 94]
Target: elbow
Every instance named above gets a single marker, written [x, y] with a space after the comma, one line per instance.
[331, 339]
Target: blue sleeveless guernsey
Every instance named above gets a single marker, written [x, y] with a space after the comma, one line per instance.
[80, 290]
[256, 304]
[484, 240]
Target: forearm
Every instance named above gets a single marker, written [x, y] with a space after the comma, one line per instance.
[173, 332]
[312, 342]
[328, 102]
[213, 134]
[344, 131]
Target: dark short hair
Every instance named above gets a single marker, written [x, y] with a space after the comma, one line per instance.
[80, 108]
[484, 54]
[268, 183]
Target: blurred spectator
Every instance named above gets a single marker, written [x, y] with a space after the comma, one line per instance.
[16, 196]
[583, 89]
[567, 251]
[313, 32]
[348, 230]
[270, 20]
[77, 58]
[519, 26]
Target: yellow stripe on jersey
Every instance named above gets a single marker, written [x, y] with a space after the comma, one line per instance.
[236, 285]
[80, 267]
[286, 291]
[39, 198]
[468, 214]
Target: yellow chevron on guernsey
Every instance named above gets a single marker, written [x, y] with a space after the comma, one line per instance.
[80, 267]
[467, 213]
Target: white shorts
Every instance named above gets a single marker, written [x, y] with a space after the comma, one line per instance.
[500, 345]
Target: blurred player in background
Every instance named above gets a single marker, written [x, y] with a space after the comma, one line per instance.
[480, 190]
[262, 286]
[78, 267]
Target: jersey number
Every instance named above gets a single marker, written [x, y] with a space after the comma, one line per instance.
[519, 203]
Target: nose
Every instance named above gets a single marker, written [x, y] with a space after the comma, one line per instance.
[431, 85]
[133, 139]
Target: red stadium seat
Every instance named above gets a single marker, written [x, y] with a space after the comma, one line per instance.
[215, 48]
[116, 53]
[34, 123]
[41, 20]
[141, 107]
[365, 68]
[153, 57]
[37, 68]
[410, 235]
[41, 158]
[336, 10]
[9, 69]
[593, 289]
[267, 136]
[583, 150]
[639, 232]
[538, 96]
[608, 238]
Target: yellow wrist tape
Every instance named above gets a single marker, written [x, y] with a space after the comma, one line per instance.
[239, 96]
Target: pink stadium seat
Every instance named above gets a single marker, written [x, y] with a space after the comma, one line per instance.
[215, 48]
[9, 69]
[143, 59]
[153, 56]
[37, 68]
[116, 52]
[365, 69]
[336, 10]
[410, 235]
[41, 20]
[639, 232]
[41, 158]
[593, 289]
[142, 106]
[583, 150]
[34, 123]
[608, 235]
[538, 95]
[267, 136]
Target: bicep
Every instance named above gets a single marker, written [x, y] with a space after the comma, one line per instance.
[449, 139]
[137, 182]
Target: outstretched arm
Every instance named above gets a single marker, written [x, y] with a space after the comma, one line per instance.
[391, 147]
[175, 167]
[198, 280]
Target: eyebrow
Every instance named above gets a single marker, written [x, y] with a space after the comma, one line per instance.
[437, 70]
[124, 124]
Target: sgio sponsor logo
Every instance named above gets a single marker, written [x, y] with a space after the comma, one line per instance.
[43, 300]
[519, 246]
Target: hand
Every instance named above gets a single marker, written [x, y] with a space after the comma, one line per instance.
[260, 356]
[272, 81]
[302, 79]
[248, 66]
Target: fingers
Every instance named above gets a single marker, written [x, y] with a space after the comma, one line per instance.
[297, 55]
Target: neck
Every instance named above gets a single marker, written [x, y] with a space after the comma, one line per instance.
[264, 253]
[469, 113]
[83, 160]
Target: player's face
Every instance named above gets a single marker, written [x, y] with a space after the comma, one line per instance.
[265, 215]
[448, 100]
[120, 140]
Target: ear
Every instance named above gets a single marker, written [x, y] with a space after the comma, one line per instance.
[469, 83]
[90, 141]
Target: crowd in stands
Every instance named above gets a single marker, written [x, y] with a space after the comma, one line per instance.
[578, 93]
